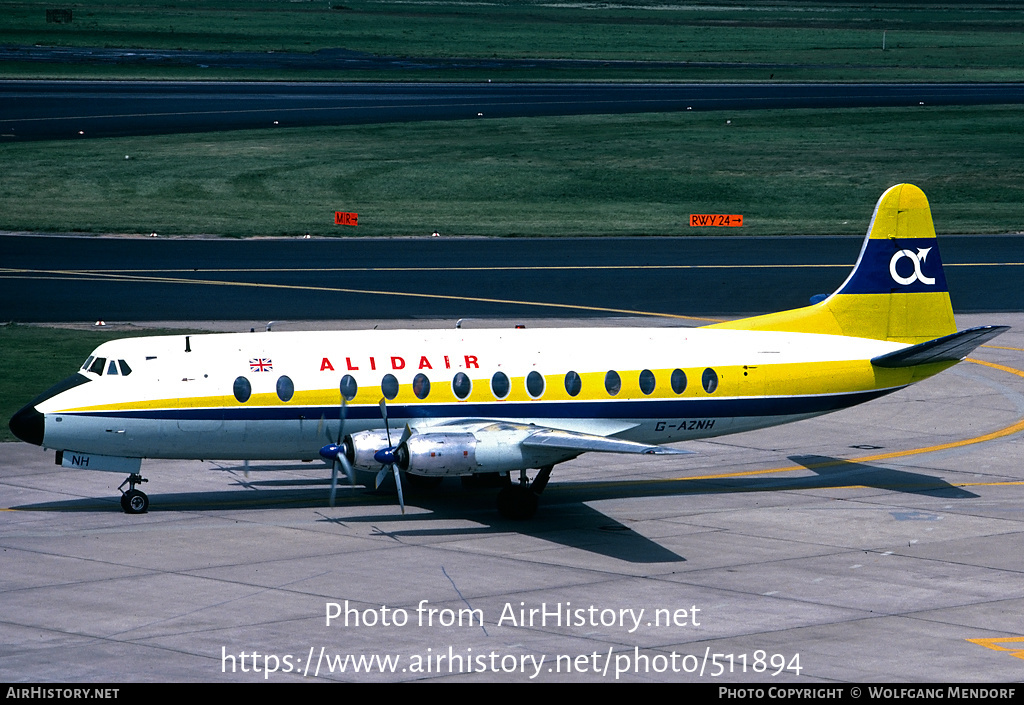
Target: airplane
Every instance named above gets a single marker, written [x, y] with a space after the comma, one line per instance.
[419, 405]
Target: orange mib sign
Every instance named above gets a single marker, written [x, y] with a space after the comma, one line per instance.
[341, 218]
[715, 220]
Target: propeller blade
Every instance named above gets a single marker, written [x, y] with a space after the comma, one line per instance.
[381, 474]
[342, 415]
[384, 416]
[398, 484]
[338, 451]
[349, 472]
[334, 480]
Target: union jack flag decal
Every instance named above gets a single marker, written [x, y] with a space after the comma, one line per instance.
[261, 364]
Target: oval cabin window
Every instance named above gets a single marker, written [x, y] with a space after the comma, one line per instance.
[500, 386]
[678, 381]
[389, 387]
[709, 380]
[647, 382]
[535, 384]
[242, 389]
[462, 385]
[573, 383]
[612, 382]
[421, 386]
[285, 388]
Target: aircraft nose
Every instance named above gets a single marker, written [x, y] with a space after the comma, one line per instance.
[28, 425]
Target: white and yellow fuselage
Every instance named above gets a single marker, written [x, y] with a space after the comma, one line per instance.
[495, 401]
[650, 386]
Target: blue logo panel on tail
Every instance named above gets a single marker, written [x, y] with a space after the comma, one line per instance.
[902, 266]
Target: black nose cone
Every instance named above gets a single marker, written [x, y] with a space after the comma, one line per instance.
[28, 424]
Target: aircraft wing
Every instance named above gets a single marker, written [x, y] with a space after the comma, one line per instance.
[948, 348]
[584, 442]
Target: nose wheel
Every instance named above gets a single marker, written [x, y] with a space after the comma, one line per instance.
[134, 501]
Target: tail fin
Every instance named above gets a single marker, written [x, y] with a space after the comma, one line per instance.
[897, 290]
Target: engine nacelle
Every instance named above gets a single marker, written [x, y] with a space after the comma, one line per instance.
[361, 447]
[439, 454]
[487, 448]
[490, 448]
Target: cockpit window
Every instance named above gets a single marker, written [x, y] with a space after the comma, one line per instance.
[100, 366]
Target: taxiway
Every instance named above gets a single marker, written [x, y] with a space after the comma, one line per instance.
[881, 543]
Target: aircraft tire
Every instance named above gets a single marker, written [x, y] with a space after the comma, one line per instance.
[134, 502]
[517, 502]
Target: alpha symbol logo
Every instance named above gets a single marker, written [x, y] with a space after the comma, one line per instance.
[918, 259]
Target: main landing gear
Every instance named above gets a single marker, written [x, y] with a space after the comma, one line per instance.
[520, 501]
[134, 501]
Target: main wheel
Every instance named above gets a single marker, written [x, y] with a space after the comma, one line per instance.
[134, 502]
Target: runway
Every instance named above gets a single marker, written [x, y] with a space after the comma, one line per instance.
[878, 544]
[86, 109]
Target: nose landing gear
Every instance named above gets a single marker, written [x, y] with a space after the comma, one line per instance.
[134, 501]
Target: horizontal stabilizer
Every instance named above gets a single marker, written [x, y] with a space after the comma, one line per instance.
[949, 348]
[585, 442]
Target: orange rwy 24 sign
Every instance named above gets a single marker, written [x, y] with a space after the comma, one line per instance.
[715, 220]
[341, 218]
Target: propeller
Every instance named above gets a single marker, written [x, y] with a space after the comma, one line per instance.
[335, 452]
[386, 456]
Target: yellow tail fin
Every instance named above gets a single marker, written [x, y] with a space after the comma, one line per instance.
[897, 290]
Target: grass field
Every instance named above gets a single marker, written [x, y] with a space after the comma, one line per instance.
[800, 39]
[785, 171]
[801, 171]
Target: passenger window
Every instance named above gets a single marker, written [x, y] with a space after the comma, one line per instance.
[709, 380]
[500, 386]
[285, 388]
[242, 389]
[462, 385]
[125, 370]
[348, 387]
[535, 384]
[678, 381]
[389, 387]
[573, 383]
[612, 382]
[421, 386]
[647, 382]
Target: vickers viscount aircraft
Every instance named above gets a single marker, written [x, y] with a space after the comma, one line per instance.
[430, 404]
